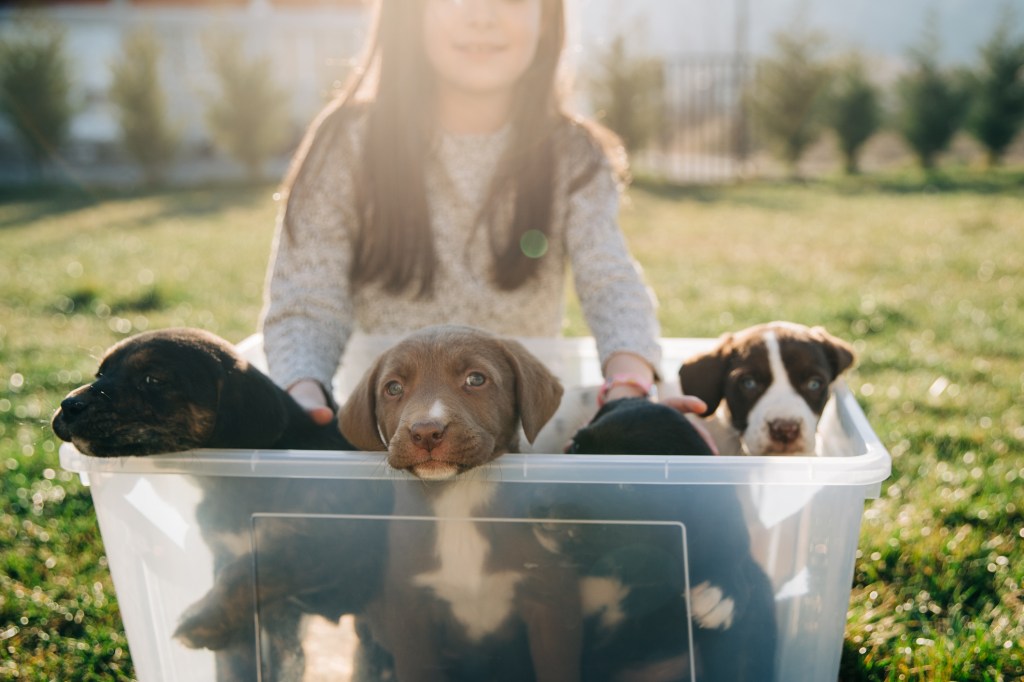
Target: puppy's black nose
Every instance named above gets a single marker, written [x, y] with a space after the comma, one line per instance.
[72, 406]
[784, 430]
[427, 434]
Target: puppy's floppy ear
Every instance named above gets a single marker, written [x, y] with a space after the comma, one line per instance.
[704, 375]
[357, 418]
[840, 353]
[538, 391]
[250, 412]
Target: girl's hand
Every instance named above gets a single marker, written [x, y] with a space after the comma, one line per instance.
[623, 391]
[309, 394]
[635, 366]
[628, 374]
[691, 404]
[687, 404]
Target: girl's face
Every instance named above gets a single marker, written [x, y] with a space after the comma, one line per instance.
[481, 47]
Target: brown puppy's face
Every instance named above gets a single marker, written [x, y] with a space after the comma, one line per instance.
[448, 399]
[168, 391]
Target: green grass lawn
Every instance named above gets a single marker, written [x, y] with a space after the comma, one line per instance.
[926, 278]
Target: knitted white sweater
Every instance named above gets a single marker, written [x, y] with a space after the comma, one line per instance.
[311, 310]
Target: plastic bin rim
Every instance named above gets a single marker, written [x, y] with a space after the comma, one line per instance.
[870, 468]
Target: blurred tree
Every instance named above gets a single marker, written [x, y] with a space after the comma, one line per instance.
[932, 104]
[35, 86]
[853, 109]
[626, 93]
[146, 134]
[248, 119]
[996, 112]
[788, 96]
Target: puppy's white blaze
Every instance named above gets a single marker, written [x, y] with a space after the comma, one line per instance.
[710, 607]
[481, 602]
[603, 596]
[780, 401]
[438, 411]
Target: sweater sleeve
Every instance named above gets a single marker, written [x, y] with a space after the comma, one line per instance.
[619, 308]
[308, 313]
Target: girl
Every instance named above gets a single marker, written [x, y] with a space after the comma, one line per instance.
[447, 184]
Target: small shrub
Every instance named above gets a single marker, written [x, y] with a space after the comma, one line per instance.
[996, 113]
[932, 103]
[248, 118]
[787, 100]
[853, 110]
[35, 86]
[146, 134]
[626, 93]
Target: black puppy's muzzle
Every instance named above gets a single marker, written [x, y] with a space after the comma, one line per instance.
[76, 405]
[73, 407]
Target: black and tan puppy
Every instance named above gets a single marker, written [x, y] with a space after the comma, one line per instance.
[180, 389]
[464, 598]
[635, 575]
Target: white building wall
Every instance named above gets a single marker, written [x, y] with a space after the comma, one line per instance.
[310, 49]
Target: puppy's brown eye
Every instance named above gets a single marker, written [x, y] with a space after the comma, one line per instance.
[152, 381]
[393, 389]
[475, 379]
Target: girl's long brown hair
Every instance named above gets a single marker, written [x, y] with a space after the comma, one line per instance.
[394, 243]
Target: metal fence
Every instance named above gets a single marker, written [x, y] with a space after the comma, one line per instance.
[706, 131]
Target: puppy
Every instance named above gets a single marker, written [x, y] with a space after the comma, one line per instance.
[636, 574]
[766, 387]
[464, 598]
[448, 399]
[638, 426]
[179, 389]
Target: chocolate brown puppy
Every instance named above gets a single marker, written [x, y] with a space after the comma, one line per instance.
[465, 598]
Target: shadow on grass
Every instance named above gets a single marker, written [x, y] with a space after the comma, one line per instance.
[997, 181]
[992, 182]
[733, 194]
[852, 667]
[39, 202]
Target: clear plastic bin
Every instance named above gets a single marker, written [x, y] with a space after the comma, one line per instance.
[803, 515]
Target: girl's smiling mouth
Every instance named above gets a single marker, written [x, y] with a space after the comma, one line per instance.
[482, 49]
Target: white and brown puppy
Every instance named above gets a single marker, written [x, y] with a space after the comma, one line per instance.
[464, 598]
[766, 386]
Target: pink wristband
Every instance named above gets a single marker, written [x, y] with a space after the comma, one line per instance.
[635, 380]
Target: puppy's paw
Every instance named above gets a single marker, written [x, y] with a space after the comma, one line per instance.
[710, 607]
[604, 596]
